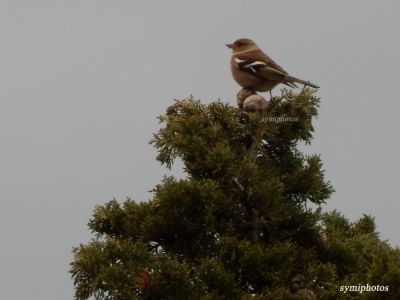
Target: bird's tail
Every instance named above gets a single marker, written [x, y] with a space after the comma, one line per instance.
[294, 79]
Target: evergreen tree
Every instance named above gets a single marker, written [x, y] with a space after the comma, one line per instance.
[246, 222]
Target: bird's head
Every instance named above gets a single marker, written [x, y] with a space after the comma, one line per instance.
[241, 45]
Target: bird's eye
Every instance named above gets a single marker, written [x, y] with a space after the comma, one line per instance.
[239, 44]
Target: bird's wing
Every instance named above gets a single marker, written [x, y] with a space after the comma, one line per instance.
[261, 57]
[260, 65]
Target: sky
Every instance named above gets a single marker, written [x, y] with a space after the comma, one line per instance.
[82, 84]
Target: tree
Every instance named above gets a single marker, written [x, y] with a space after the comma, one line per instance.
[246, 223]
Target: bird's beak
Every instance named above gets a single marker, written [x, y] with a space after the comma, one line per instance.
[229, 45]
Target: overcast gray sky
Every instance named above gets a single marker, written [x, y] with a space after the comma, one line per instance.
[81, 84]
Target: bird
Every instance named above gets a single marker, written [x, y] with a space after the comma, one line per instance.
[254, 70]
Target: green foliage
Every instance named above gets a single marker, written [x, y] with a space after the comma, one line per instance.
[238, 226]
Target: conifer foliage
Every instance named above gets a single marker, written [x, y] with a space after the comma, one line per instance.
[239, 226]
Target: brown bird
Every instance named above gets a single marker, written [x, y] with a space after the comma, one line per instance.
[253, 69]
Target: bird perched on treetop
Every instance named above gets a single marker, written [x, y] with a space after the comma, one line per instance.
[253, 69]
